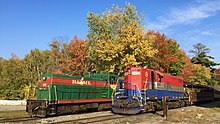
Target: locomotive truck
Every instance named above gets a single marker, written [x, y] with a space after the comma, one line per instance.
[62, 94]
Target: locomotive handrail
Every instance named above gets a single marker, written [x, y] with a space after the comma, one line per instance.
[114, 92]
[137, 88]
[55, 91]
[31, 93]
[113, 95]
[49, 93]
[145, 90]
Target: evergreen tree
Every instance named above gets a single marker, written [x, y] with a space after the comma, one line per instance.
[201, 57]
[200, 51]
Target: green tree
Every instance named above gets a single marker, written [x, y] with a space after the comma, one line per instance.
[1, 65]
[200, 51]
[1, 78]
[117, 39]
[11, 86]
[35, 63]
[178, 59]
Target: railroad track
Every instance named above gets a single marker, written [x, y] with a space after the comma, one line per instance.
[90, 120]
[16, 120]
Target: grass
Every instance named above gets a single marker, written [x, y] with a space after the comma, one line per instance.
[13, 114]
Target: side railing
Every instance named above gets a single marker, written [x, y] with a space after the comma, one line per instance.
[137, 93]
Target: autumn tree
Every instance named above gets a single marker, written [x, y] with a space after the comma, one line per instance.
[201, 74]
[55, 54]
[169, 58]
[217, 77]
[73, 62]
[187, 70]
[117, 39]
[217, 73]
[161, 59]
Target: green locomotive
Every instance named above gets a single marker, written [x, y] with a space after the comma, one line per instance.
[61, 94]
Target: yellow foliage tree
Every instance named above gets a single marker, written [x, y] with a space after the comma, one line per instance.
[201, 74]
[118, 39]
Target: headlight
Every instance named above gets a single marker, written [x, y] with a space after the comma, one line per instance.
[44, 78]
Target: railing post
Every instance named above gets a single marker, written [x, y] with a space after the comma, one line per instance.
[165, 106]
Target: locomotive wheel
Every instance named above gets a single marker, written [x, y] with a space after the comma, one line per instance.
[154, 109]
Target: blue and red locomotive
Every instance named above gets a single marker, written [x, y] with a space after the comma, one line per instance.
[144, 90]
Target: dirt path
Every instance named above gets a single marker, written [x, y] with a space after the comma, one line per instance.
[203, 114]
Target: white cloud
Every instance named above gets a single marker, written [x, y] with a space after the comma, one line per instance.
[206, 33]
[208, 37]
[174, 22]
[188, 15]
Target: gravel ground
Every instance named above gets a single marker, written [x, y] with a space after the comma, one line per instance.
[12, 107]
[206, 114]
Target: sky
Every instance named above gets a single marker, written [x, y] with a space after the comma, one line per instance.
[30, 24]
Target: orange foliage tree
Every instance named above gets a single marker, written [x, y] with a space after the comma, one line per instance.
[55, 55]
[162, 59]
[73, 59]
[187, 70]
[169, 58]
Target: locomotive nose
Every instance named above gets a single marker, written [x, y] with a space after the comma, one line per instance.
[126, 106]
